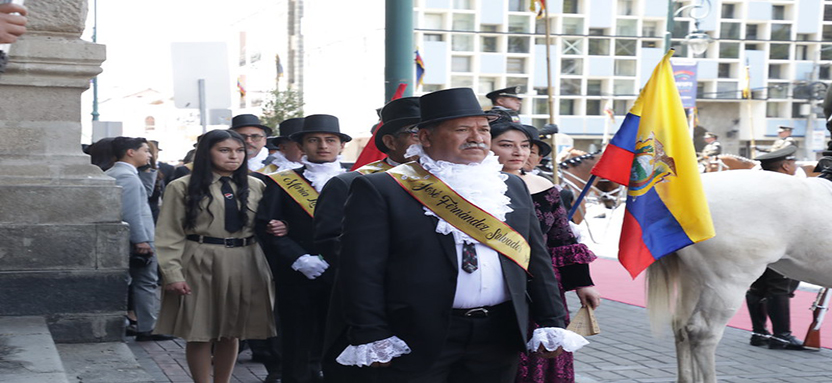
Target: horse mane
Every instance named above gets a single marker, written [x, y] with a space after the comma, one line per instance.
[578, 160]
[738, 158]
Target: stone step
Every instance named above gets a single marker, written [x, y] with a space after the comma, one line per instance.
[102, 363]
[27, 352]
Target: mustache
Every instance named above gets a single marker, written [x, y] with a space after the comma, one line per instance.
[477, 145]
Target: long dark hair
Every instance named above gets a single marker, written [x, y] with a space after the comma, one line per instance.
[202, 176]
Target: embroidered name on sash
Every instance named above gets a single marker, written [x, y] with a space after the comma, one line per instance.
[434, 194]
[298, 188]
[374, 167]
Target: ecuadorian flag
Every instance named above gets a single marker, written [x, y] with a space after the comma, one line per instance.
[652, 153]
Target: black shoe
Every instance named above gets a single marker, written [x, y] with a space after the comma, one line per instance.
[759, 339]
[785, 342]
[273, 377]
[150, 337]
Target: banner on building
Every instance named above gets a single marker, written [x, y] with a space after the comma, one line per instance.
[684, 72]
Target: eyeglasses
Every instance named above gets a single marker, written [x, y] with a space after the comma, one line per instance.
[253, 137]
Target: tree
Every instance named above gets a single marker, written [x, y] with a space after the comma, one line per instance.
[281, 106]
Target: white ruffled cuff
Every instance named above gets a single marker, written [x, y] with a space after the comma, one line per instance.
[381, 351]
[553, 337]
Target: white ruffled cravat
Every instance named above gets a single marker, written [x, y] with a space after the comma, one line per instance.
[319, 174]
[283, 163]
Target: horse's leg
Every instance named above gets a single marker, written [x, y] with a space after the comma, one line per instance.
[688, 299]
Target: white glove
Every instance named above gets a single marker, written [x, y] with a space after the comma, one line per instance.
[312, 266]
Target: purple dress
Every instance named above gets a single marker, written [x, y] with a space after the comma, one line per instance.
[570, 260]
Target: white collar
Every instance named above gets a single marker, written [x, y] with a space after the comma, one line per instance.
[255, 163]
[283, 163]
[319, 174]
[483, 184]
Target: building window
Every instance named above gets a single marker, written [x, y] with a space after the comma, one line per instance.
[823, 72]
[518, 5]
[488, 44]
[827, 12]
[433, 21]
[520, 82]
[801, 52]
[680, 29]
[726, 89]
[626, 27]
[570, 87]
[649, 44]
[463, 22]
[728, 11]
[518, 24]
[626, 7]
[594, 87]
[515, 65]
[573, 26]
[649, 28]
[625, 47]
[488, 28]
[729, 50]
[571, 6]
[567, 107]
[751, 32]
[149, 123]
[826, 52]
[599, 47]
[724, 70]
[462, 43]
[778, 12]
[620, 107]
[462, 81]
[729, 31]
[462, 4]
[434, 37]
[772, 109]
[540, 106]
[781, 32]
[571, 66]
[751, 47]
[778, 90]
[774, 71]
[518, 44]
[460, 64]
[625, 67]
[573, 46]
[487, 84]
[623, 88]
[593, 107]
[778, 51]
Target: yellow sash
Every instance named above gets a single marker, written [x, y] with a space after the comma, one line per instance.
[374, 167]
[298, 188]
[270, 168]
[463, 215]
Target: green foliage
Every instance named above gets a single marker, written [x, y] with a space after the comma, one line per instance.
[281, 106]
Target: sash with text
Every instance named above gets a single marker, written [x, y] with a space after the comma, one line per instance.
[298, 188]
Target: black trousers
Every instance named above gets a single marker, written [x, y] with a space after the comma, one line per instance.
[302, 309]
[482, 350]
[773, 283]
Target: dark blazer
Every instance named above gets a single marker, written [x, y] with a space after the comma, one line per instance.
[329, 214]
[282, 252]
[399, 276]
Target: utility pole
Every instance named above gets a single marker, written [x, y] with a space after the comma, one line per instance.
[399, 65]
[95, 79]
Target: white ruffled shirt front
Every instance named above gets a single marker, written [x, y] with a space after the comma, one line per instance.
[283, 163]
[483, 185]
[319, 174]
[256, 162]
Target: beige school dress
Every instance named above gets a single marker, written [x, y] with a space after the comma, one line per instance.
[232, 288]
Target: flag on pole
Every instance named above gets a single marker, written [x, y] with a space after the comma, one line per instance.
[241, 87]
[746, 81]
[652, 153]
[540, 11]
[420, 69]
[370, 153]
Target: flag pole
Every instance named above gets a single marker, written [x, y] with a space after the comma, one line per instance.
[580, 197]
[746, 94]
[551, 98]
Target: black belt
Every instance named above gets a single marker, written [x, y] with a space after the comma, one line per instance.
[228, 242]
[482, 312]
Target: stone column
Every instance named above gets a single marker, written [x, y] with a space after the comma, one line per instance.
[63, 247]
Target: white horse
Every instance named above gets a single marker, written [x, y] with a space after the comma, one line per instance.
[761, 219]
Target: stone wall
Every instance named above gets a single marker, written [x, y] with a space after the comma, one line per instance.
[63, 247]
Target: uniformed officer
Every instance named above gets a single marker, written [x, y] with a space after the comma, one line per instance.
[770, 294]
[786, 139]
[713, 147]
[506, 103]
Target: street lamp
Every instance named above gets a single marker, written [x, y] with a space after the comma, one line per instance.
[697, 40]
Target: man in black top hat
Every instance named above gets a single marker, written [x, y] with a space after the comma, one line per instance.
[288, 152]
[396, 134]
[770, 294]
[506, 103]
[424, 298]
[785, 139]
[300, 272]
[255, 133]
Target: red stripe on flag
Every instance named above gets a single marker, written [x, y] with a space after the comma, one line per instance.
[371, 153]
[615, 165]
[632, 252]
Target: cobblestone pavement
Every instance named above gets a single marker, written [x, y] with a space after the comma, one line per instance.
[625, 351]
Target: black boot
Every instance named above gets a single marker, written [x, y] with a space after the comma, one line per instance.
[757, 312]
[778, 311]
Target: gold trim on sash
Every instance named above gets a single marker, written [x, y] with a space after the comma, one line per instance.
[270, 168]
[298, 188]
[375, 167]
[434, 194]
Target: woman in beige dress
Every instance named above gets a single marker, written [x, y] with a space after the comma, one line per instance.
[218, 287]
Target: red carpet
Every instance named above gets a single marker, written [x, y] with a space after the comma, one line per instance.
[614, 283]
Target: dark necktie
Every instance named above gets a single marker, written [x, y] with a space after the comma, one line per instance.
[232, 212]
[469, 258]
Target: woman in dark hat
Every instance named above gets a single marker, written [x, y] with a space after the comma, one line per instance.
[512, 142]
[218, 287]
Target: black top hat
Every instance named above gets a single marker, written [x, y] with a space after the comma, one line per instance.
[244, 120]
[449, 104]
[786, 153]
[395, 115]
[507, 92]
[320, 123]
[271, 144]
[288, 128]
[543, 147]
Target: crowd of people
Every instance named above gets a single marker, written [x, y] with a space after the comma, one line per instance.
[447, 261]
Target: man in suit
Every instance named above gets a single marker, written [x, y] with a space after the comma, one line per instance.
[301, 274]
[396, 134]
[255, 133]
[133, 153]
[423, 298]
